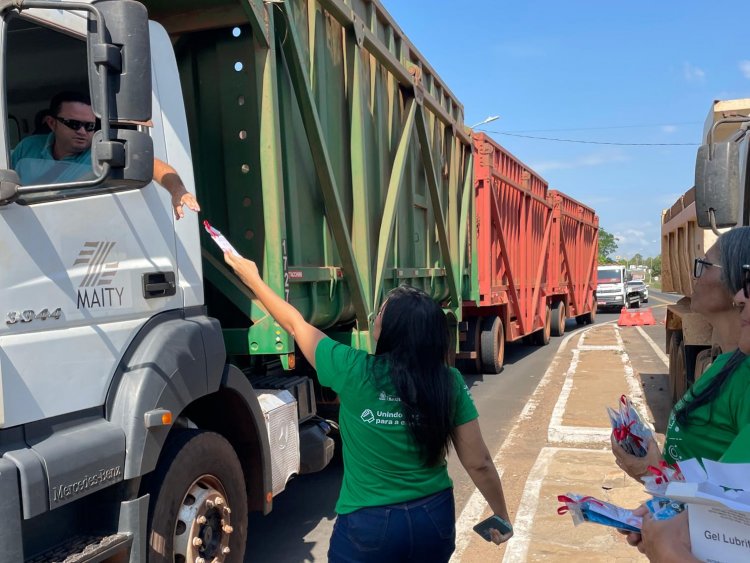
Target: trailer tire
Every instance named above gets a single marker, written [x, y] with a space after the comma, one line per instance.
[677, 371]
[200, 467]
[558, 319]
[542, 336]
[493, 345]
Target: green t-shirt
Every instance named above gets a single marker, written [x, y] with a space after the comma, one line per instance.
[739, 450]
[382, 464]
[715, 426]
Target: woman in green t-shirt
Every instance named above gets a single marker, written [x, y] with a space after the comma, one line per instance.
[400, 410]
[669, 540]
[719, 401]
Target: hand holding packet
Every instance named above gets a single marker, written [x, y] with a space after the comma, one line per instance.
[656, 483]
[590, 509]
[628, 428]
[219, 239]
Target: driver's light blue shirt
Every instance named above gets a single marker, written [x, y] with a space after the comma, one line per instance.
[32, 159]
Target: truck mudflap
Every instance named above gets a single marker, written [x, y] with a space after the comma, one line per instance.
[10, 513]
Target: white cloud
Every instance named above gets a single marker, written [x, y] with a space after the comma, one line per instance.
[668, 128]
[585, 161]
[693, 73]
[745, 69]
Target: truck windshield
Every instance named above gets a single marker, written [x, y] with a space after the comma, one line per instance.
[608, 276]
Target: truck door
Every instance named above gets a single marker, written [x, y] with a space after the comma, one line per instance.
[75, 268]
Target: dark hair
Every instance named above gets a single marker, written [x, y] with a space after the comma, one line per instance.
[69, 96]
[734, 251]
[414, 341]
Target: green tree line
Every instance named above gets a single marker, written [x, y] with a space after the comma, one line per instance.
[608, 254]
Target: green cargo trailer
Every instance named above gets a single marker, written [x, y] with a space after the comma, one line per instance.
[327, 149]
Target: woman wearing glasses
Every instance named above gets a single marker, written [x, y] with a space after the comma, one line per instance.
[720, 399]
[726, 394]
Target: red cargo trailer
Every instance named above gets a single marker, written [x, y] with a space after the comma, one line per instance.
[573, 253]
[533, 255]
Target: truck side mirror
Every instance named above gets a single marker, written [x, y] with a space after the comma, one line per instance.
[120, 61]
[130, 155]
[717, 185]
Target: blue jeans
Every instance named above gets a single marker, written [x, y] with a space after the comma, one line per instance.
[418, 530]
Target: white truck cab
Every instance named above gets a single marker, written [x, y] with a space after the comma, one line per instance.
[612, 288]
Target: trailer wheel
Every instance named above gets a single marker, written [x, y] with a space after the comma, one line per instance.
[493, 345]
[542, 337]
[558, 319]
[677, 371]
[198, 506]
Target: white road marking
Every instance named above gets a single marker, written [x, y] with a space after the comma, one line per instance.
[654, 345]
[518, 546]
[476, 505]
[557, 432]
[474, 509]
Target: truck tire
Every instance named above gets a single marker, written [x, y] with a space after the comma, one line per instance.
[493, 345]
[587, 318]
[542, 336]
[196, 468]
[558, 319]
[677, 368]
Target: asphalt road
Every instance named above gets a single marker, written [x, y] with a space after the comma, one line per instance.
[300, 525]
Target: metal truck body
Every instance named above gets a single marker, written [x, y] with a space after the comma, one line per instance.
[320, 142]
[536, 251]
[686, 234]
[147, 400]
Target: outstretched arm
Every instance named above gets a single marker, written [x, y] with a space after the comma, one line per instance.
[290, 319]
[167, 176]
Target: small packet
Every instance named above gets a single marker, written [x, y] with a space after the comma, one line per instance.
[656, 483]
[589, 509]
[628, 428]
[219, 239]
[662, 508]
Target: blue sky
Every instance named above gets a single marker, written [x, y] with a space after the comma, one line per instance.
[623, 72]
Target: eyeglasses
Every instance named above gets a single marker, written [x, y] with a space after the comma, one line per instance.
[75, 125]
[700, 264]
[746, 280]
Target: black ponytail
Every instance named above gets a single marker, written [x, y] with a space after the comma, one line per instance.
[691, 401]
[414, 340]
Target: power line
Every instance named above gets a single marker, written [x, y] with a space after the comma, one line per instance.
[604, 127]
[593, 142]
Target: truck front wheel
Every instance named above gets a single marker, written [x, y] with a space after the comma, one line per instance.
[198, 506]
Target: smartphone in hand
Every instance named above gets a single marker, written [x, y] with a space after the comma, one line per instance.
[496, 523]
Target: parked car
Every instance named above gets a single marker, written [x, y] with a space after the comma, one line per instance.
[641, 288]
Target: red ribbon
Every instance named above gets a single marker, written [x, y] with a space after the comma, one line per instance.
[567, 500]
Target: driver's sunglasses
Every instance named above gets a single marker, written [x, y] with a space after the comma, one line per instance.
[746, 280]
[75, 125]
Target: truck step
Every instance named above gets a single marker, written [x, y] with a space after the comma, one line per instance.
[88, 549]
